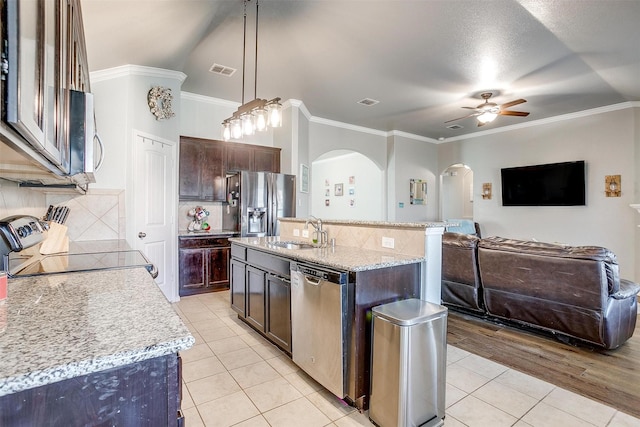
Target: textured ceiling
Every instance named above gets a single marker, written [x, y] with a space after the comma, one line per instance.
[423, 60]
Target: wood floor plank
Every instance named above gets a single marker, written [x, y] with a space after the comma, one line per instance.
[611, 377]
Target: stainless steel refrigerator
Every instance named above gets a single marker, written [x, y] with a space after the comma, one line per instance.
[256, 200]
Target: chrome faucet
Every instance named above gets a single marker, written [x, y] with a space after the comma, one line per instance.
[324, 237]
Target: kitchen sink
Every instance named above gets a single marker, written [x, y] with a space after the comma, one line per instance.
[292, 245]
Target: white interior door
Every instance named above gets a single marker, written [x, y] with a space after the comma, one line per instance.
[154, 205]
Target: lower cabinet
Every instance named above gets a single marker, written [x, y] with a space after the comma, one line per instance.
[145, 393]
[203, 263]
[261, 293]
[279, 311]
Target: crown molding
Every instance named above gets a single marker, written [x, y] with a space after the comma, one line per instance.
[412, 136]
[348, 126]
[208, 99]
[135, 70]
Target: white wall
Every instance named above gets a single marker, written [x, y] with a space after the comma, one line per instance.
[607, 142]
[456, 197]
[355, 172]
[412, 159]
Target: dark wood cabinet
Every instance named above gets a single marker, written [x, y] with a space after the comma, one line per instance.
[238, 286]
[256, 302]
[203, 263]
[145, 393]
[202, 170]
[261, 293]
[204, 164]
[278, 291]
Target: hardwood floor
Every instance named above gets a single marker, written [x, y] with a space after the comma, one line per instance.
[608, 376]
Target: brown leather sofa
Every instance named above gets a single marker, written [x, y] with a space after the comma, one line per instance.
[570, 291]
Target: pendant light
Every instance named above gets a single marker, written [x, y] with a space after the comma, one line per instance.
[258, 114]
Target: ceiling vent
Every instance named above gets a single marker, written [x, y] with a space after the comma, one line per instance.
[454, 127]
[368, 102]
[222, 70]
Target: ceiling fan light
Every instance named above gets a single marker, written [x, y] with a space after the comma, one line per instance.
[487, 117]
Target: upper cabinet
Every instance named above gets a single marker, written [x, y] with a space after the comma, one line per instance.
[44, 69]
[204, 164]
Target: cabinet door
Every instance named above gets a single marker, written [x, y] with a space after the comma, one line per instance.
[218, 268]
[266, 160]
[238, 286]
[279, 311]
[256, 297]
[239, 158]
[190, 173]
[213, 173]
[191, 263]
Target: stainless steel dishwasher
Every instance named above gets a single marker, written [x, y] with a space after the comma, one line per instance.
[319, 324]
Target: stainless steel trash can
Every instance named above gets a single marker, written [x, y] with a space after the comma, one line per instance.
[408, 364]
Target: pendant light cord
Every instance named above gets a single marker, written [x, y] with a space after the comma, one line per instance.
[244, 47]
[255, 72]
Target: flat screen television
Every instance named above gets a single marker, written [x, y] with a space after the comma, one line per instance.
[553, 184]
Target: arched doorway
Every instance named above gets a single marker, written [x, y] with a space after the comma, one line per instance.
[346, 185]
[456, 192]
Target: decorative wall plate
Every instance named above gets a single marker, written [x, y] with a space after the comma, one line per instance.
[159, 99]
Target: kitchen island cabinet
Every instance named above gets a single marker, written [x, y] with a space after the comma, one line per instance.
[261, 293]
[95, 348]
[377, 278]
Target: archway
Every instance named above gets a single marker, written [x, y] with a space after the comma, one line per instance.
[346, 185]
[456, 192]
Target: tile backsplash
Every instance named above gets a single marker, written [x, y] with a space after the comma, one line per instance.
[97, 215]
[214, 219]
[20, 201]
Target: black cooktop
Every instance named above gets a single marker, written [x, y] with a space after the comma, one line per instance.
[67, 263]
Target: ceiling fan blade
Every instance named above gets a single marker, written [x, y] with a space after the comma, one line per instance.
[470, 108]
[460, 118]
[514, 113]
[512, 103]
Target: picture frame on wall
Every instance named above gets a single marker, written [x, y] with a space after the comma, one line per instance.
[338, 190]
[304, 178]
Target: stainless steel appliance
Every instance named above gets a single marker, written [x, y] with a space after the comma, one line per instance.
[408, 368]
[320, 323]
[256, 200]
[20, 232]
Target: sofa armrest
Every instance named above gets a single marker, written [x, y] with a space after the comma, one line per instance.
[627, 289]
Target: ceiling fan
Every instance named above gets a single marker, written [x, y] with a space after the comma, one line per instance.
[488, 111]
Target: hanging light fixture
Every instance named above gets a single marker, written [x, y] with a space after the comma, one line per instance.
[258, 114]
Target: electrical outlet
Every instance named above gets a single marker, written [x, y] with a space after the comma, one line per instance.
[305, 233]
[296, 232]
[388, 242]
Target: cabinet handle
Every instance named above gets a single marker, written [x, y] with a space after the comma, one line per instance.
[101, 159]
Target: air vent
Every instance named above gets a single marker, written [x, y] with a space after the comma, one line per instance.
[454, 127]
[368, 102]
[222, 70]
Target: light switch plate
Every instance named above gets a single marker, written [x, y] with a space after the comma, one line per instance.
[296, 232]
[305, 233]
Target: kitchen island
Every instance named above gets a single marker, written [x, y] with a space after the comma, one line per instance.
[94, 348]
[261, 294]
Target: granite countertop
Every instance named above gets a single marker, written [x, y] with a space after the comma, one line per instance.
[210, 233]
[424, 224]
[60, 326]
[342, 257]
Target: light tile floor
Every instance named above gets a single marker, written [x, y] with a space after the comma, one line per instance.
[234, 377]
